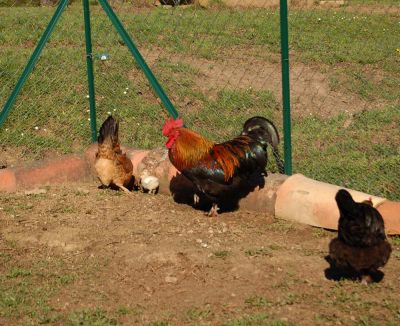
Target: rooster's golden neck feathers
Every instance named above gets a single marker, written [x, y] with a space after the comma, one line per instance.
[189, 149]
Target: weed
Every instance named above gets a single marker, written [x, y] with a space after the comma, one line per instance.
[258, 252]
[19, 272]
[223, 254]
[256, 301]
[198, 314]
[91, 317]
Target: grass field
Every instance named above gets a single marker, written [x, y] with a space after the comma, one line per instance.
[219, 66]
[78, 255]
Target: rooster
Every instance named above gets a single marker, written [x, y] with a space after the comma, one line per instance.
[361, 246]
[222, 171]
[113, 168]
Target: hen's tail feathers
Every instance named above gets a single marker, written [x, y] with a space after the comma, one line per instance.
[345, 202]
[109, 133]
[264, 131]
[108, 130]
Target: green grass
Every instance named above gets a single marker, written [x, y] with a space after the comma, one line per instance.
[258, 319]
[364, 156]
[96, 317]
[24, 293]
[50, 115]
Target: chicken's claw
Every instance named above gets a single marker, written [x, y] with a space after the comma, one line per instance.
[213, 211]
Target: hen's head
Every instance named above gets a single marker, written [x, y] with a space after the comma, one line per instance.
[170, 130]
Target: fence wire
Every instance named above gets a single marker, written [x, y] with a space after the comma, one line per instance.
[219, 63]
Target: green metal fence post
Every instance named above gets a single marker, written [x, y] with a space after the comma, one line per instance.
[89, 66]
[286, 86]
[32, 60]
[139, 59]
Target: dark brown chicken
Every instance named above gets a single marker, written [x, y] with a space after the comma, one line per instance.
[113, 167]
[361, 246]
[223, 171]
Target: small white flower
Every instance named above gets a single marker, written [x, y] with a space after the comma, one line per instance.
[88, 119]
[109, 113]
[125, 92]
[22, 134]
[319, 19]
[44, 129]
[36, 128]
[6, 129]
[127, 88]
[115, 110]
[87, 96]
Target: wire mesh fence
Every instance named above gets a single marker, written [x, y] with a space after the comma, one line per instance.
[219, 63]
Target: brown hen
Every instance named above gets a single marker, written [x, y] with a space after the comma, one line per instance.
[114, 169]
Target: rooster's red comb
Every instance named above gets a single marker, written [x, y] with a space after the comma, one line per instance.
[170, 124]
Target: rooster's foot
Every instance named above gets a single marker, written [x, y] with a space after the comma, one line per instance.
[213, 211]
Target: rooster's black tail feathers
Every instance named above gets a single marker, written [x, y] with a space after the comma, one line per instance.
[264, 131]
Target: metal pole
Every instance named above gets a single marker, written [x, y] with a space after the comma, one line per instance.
[32, 61]
[139, 59]
[89, 66]
[286, 87]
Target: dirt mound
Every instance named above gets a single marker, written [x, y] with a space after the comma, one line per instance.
[77, 254]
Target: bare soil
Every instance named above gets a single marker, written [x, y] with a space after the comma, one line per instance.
[242, 69]
[147, 260]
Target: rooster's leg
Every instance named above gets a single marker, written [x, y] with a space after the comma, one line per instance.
[213, 211]
[196, 199]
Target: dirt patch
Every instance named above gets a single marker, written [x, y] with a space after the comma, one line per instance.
[146, 260]
[375, 9]
[311, 91]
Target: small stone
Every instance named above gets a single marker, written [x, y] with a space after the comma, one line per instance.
[36, 191]
[171, 279]
[199, 240]
[82, 191]
[204, 245]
